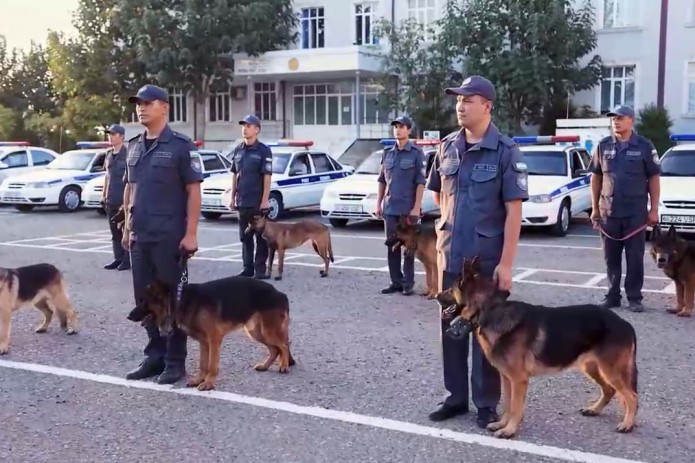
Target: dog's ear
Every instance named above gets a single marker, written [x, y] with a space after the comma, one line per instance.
[672, 235]
[656, 232]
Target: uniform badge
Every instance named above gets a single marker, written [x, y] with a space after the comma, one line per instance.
[520, 166]
[655, 155]
[269, 165]
[195, 161]
[522, 181]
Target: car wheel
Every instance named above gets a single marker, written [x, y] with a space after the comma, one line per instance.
[24, 207]
[212, 215]
[70, 199]
[338, 223]
[563, 220]
[276, 207]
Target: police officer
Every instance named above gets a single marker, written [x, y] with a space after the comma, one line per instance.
[112, 194]
[401, 184]
[162, 197]
[480, 180]
[252, 169]
[625, 169]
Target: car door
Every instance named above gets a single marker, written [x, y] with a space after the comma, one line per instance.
[323, 170]
[301, 180]
[212, 164]
[581, 194]
[40, 158]
[16, 162]
[586, 162]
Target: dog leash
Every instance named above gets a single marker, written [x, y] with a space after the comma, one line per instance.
[629, 235]
[183, 266]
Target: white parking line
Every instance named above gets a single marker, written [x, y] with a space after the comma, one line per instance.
[329, 414]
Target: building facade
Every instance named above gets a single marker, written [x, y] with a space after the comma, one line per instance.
[323, 89]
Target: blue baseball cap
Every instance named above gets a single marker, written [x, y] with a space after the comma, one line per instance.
[621, 110]
[474, 85]
[405, 120]
[250, 119]
[150, 93]
[115, 128]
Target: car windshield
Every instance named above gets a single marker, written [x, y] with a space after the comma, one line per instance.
[678, 163]
[546, 162]
[72, 160]
[280, 161]
[371, 165]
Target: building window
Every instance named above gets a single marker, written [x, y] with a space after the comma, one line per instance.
[323, 104]
[617, 87]
[371, 112]
[220, 106]
[177, 106]
[265, 101]
[690, 88]
[424, 11]
[364, 20]
[312, 23]
[619, 13]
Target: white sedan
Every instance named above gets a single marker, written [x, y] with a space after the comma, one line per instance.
[212, 161]
[17, 157]
[60, 183]
[299, 178]
[355, 197]
[558, 181]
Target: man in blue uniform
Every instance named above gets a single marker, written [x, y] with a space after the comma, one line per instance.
[112, 194]
[480, 181]
[252, 169]
[162, 197]
[401, 183]
[625, 169]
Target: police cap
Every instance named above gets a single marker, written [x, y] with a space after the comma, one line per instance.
[405, 120]
[474, 85]
[150, 93]
[250, 119]
[115, 128]
[621, 110]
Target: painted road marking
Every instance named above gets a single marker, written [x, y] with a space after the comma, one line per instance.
[328, 414]
[345, 263]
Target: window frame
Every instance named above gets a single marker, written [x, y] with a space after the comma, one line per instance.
[364, 30]
[635, 82]
[310, 18]
[265, 90]
[178, 106]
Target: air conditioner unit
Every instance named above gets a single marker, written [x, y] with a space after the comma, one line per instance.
[239, 92]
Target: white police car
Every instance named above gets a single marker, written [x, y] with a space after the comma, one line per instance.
[558, 181]
[298, 180]
[60, 183]
[355, 197]
[212, 161]
[677, 201]
[17, 157]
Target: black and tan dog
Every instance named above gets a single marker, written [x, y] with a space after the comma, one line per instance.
[523, 340]
[209, 311]
[676, 257]
[41, 285]
[283, 236]
[420, 240]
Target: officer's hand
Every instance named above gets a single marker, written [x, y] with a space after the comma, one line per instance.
[189, 243]
[503, 277]
[379, 211]
[595, 217]
[125, 242]
[653, 217]
[415, 212]
[265, 205]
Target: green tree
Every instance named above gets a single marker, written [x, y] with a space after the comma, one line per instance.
[530, 49]
[415, 71]
[655, 124]
[189, 45]
[7, 122]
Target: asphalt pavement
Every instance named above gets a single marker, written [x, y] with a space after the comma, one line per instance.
[368, 365]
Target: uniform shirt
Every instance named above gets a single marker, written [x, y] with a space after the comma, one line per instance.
[626, 169]
[158, 171]
[251, 162]
[116, 167]
[401, 172]
[474, 182]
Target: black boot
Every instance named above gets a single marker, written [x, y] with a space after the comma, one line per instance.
[114, 264]
[148, 368]
[172, 373]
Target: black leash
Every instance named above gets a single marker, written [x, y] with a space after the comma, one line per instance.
[183, 267]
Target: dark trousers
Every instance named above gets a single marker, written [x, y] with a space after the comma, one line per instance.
[150, 260]
[119, 253]
[634, 246]
[485, 379]
[252, 263]
[406, 277]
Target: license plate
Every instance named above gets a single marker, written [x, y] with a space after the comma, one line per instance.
[96, 198]
[348, 208]
[13, 194]
[676, 219]
[211, 202]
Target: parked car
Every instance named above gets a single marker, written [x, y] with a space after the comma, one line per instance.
[17, 157]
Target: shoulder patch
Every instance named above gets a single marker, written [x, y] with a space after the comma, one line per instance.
[196, 163]
[520, 166]
[655, 156]
[522, 181]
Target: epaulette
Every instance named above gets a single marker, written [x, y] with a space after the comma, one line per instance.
[506, 141]
[134, 138]
[181, 136]
[605, 139]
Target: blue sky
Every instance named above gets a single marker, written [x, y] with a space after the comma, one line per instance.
[22, 21]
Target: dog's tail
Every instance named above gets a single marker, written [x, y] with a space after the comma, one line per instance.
[633, 379]
[330, 247]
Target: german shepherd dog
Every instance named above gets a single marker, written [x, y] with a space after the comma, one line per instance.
[676, 257]
[209, 311]
[41, 285]
[523, 340]
[420, 240]
[283, 236]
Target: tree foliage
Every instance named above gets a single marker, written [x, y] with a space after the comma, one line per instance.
[532, 50]
[655, 124]
[415, 71]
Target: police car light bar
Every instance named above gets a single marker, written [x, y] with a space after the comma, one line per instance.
[14, 143]
[683, 137]
[297, 143]
[198, 143]
[418, 142]
[93, 144]
[547, 139]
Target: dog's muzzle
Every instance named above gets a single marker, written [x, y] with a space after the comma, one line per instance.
[661, 260]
